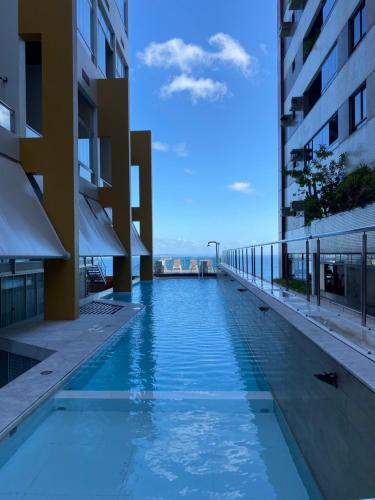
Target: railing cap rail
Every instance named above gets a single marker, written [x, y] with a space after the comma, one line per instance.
[318, 236]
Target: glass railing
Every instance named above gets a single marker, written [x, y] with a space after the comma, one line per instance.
[338, 267]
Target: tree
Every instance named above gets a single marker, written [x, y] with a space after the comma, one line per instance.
[318, 182]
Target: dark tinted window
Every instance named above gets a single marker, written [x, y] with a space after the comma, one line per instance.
[358, 26]
[359, 107]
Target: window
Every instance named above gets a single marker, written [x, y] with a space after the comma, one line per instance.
[105, 51]
[333, 129]
[316, 28]
[121, 5]
[329, 68]
[358, 108]
[121, 70]
[6, 117]
[322, 80]
[326, 136]
[84, 22]
[358, 26]
[327, 9]
[85, 138]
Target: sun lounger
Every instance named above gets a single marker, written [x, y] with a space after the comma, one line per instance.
[177, 267]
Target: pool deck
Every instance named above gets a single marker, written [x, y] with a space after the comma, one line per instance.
[67, 345]
[334, 328]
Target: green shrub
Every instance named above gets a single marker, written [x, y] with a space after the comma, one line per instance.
[356, 190]
[298, 286]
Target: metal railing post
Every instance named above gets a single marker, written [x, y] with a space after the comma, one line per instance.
[317, 272]
[243, 262]
[261, 263]
[364, 280]
[271, 264]
[286, 265]
[255, 265]
[247, 264]
[307, 270]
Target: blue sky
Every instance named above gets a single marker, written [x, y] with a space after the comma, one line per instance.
[204, 80]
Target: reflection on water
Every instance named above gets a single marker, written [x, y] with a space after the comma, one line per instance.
[184, 339]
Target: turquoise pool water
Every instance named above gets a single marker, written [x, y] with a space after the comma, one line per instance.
[185, 339]
[173, 407]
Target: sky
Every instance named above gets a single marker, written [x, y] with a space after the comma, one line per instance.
[203, 78]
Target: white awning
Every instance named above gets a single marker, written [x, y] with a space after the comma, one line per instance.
[25, 230]
[138, 247]
[97, 237]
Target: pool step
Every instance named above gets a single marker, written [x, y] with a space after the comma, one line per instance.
[167, 395]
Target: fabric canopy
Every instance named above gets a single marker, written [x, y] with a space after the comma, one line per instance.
[25, 230]
[97, 237]
[138, 247]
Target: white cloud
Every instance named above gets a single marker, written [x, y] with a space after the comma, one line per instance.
[175, 53]
[179, 149]
[161, 146]
[231, 52]
[263, 47]
[198, 88]
[242, 187]
[188, 171]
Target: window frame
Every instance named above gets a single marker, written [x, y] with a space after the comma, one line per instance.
[361, 91]
[331, 145]
[358, 12]
[103, 29]
[89, 45]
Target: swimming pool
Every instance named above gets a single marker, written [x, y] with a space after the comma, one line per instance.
[173, 406]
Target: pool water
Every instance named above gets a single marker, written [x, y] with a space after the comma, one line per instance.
[185, 339]
[173, 407]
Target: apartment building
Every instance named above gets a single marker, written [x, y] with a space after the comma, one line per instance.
[66, 156]
[326, 97]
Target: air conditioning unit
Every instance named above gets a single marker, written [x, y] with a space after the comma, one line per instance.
[297, 104]
[287, 120]
[286, 29]
[287, 212]
[297, 4]
[299, 155]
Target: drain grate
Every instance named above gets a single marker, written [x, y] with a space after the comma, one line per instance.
[100, 308]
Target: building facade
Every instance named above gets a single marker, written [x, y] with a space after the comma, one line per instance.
[326, 97]
[66, 156]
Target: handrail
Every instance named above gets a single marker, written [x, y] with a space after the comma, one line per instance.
[320, 236]
[234, 258]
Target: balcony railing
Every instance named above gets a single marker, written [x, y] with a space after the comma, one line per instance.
[347, 259]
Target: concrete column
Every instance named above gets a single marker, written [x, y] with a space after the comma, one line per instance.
[113, 123]
[141, 155]
[55, 154]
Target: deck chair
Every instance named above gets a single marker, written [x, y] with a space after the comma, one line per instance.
[177, 265]
[210, 267]
[193, 268]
